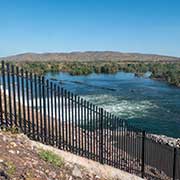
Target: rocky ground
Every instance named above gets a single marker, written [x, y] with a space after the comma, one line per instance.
[162, 139]
[21, 159]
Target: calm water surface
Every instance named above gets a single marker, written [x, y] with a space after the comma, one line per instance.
[146, 103]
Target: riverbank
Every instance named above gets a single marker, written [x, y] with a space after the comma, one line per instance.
[166, 71]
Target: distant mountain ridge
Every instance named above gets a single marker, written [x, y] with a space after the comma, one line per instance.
[89, 56]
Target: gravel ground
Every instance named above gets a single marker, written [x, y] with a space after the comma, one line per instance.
[20, 160]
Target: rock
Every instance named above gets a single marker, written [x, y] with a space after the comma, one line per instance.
[34, 162]
[153, 170]
[69, 165]
[47, 171]
[4, 138]
[76, 172]
[17, 152]
[162, 139]
[97, 177]
[39, 171]
[13, 144]
[11, 151]
[70, 178]
[178, 142]
[1, 160]
[52, 174]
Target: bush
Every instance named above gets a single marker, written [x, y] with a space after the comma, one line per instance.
[51, 157]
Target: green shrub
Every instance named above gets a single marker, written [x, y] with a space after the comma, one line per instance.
[51, 157]
[11, 168]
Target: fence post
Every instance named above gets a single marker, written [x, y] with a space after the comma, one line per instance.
[1, 103]
[101, 136]
[1, 113]
[44, 109]
[143, 152]
[174, 164]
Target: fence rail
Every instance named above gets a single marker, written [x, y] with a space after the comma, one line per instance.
[46, 112]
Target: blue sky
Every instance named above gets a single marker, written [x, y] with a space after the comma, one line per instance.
[145, 26]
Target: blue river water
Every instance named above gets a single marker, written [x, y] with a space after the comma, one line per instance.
[146, 103]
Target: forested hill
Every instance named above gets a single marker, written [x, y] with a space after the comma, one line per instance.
[89, 56]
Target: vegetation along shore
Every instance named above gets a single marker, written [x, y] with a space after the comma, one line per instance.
[161, 67]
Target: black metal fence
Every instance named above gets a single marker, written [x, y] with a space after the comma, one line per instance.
[52, 115]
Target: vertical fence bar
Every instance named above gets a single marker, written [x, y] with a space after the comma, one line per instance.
[82, 119]
[23, 100]
[19, 100]
[14, 95]
[117, 131]
[55, 108]
[65, 96]
[130, 143]
[1, 103]
[126, 151]
[116, 135]
[1, 108]
[138, 150]
[124, 145]
[85, 125]
[112, 133]
[69, 120]
[36, 106]
[4, 91]
[97, 134]
[59, 116]
[134, 149]
[143, 152]
[101, 136]
[48, 112]
[111, 139]
[113, 153]
[91, 130]
[75, 99]
[108, 140]
[32, 106]
[44, 109]
[52, 115]
[72, 113]
[40, 106]
[79, 120]
[62, 98]
[9, 93]
[174, 163]
[27, 102]
[105, 137]
[88, 144]
[118, 144]
[94, 130]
